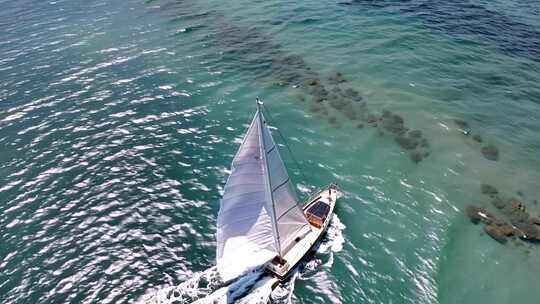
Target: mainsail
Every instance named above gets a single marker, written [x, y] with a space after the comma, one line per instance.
[259, 217]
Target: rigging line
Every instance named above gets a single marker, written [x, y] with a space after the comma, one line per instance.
[270, 118]
[269, 194]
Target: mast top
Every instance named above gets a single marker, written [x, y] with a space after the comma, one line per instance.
[259, 102]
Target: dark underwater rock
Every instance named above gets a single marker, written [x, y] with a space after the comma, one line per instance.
[499, 203]
[393, 123]
[490, 152]
[371, 118]
[340, 104]
[461, 123]
[496, 228]
[293, 61]
[319, 91]
[415, 134]
[424, 143]
[336, 90]
[477, 138]
[518, 216]
[360, 126]
[416, 157]
[506, 229]
[477, 215]
[495, 233]
[516, 205]
[357, 98]
[514, 210]
[319, 99]
[530, 231]
[332, 120]
[397, 119]
[288, 76]
[314, 82]
[406, 142]
[489, 190]
[337, 78]
[351, 93]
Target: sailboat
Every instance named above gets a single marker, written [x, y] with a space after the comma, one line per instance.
[261, 222]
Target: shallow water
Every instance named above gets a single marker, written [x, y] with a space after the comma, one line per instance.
[118, 122]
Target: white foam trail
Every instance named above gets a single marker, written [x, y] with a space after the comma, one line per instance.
[199, 285]
[283, 293]
[334, 236]
[254, 287]
[207, 288]
[233, 291]
[260, 293]
[333, 241]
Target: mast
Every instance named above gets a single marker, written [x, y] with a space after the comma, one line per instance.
[258, 216]
[268, 187]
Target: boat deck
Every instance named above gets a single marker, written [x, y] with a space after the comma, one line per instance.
[319, 212]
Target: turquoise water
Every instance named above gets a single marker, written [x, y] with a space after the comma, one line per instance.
[118, 122]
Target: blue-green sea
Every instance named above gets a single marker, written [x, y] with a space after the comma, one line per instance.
[119, 120]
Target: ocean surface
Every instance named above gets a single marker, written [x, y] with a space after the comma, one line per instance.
[119, 120]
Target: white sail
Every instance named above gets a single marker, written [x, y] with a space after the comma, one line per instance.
[258, 217]
[289, 218]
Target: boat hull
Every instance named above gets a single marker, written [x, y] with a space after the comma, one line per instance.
[313, 208]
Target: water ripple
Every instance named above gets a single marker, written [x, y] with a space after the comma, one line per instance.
[118, 122]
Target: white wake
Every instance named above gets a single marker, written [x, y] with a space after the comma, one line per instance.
[255, 287]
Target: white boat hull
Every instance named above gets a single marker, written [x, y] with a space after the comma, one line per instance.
[305, 244]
